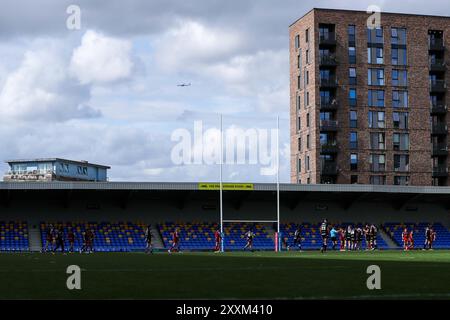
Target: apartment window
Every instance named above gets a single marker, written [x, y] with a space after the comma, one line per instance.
[401, 180]
[298, 82]
[353, 179]
[375, 55]
[399, 99]
[399, 77]
[375, 35]
[377, 180]
[299, 165]
[307, 35]
[375, 77]
[376, 98]
[300, 144]
[401, 162]
[307, 56]
[307, 120]
[401, 141]
[353, 162]
[351, 33]
[376, 119]
[398, 36]
[307, 163]
[308, 142]
[377, 141]
[299, 123]
[299, 59]
[399, 56]
[353, 119]
[352, 97]
[353, 140]
[307, 77]
[297, 41]
[400, 120]
[307, 99]
[352, 76]
[299, 102]
[377, 162]
[352, 55]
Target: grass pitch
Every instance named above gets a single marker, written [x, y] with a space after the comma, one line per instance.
[234, 275]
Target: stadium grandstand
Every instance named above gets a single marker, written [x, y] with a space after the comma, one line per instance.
[119, 212]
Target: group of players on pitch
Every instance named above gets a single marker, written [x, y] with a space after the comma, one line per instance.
[408, 239]
[55, 239]
[350, 238]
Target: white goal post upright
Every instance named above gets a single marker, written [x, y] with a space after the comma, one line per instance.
[221, 187]
[278, 235]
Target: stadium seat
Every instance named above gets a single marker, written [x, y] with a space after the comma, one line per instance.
[14, 236]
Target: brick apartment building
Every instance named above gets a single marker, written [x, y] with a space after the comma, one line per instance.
[369, 106]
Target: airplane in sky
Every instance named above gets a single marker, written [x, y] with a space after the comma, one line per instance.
[184, 85]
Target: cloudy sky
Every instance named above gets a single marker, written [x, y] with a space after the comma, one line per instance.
[108, 92]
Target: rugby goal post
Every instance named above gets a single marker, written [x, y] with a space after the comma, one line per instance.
[277, 235]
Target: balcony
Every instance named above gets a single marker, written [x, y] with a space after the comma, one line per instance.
[328, 82]
[329, 148]
[438, 109]
[328, 60]
[436, 45]
[439, 129]
[328, 169]
[439, 149]
[437, 65]
[440, 171]
[328, 40]
[327, 105]
[328, 125]
[438, 86]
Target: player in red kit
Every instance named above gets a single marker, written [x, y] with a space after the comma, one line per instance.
[218, 238]
[411, 240]
[175, 241]
[405, 238]
[71, 238]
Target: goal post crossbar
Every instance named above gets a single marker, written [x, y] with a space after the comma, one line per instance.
[251, 221]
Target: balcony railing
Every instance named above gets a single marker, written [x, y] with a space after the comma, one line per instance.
[437, 65]
[328, 125]
[436, 44]
[329, 168]
[439, 129]
[438, 108]
[329, 105]
[439, 149]
[328, 60]
[440, 171]
[328, 40]
[329, 148]
[328, 82]
[438, 86]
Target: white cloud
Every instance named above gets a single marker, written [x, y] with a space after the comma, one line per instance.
[40, 89]
[191, 44]
[101, 59]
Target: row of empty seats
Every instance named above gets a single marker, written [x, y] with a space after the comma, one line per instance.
[129, 236]
[13, 236]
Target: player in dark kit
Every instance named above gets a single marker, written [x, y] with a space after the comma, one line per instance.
[59, 240]
[298, 238]
[324, 234]
[427, 244]
[249, 235]
[218, 240]
[48, 239]
[71, 238]
[148, 240]
[373, 236]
